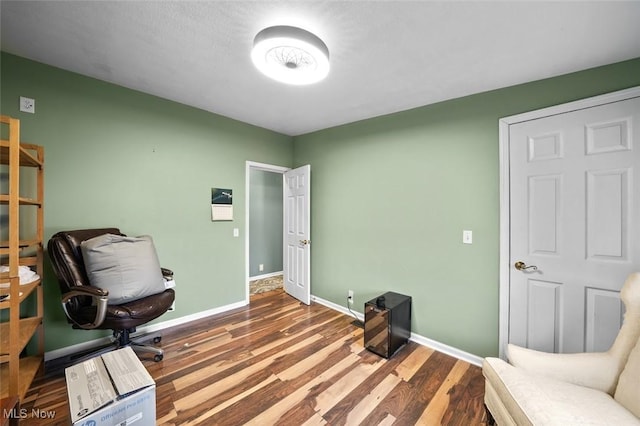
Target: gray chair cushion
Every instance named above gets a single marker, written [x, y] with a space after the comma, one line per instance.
[127, 267]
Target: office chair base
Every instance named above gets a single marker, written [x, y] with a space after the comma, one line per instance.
[123, 338]
[83, 356]
[140, 347]
[116, 343]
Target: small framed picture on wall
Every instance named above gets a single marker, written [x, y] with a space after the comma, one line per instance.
[221, 204]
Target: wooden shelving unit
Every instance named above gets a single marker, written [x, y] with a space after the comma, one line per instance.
[17, 370]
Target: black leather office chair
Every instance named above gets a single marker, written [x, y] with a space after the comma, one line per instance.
[87, 307]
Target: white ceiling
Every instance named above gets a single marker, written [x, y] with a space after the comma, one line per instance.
[385, 56]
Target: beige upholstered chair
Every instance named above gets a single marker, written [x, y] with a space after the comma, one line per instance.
[537, 388]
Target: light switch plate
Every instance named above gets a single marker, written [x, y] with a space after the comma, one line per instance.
[27, 105]
[467, 237]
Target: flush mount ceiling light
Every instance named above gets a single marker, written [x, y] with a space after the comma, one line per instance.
[290, 55]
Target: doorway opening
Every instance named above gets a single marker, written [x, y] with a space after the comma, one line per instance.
[264, 222]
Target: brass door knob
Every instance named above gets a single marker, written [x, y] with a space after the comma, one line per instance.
[521, 266]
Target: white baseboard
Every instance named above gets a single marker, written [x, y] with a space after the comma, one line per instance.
[421, 340]
[336, 307]
[77, 348]
[263, 276]
[151, 328]
[446, 349]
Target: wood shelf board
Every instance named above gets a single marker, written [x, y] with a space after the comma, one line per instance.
[28, 327]
[26, 290]
[29, 366]
[26, 158]
[7, 119]
[23, 201]
[22, 244]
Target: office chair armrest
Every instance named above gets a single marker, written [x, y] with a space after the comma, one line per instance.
[167, 273]
[100, 298]
[83, 290]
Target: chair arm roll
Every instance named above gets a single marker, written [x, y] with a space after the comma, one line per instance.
[596, 370]
[100, 298]
[84, 290]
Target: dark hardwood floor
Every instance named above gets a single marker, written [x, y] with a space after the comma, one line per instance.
[281, 362]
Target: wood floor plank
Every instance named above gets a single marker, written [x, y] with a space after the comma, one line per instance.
[312, 360]
[276, 411]
[200, 394]
[392, 405]
[426, 383]
[315, 420]
[289, 336]
[387, 421]
[432, 415]
[371, 400]
[339, 413]
[261, 400]
[204, 418]
[280, 362]
[332, 396]
[418, 357]
[466, 400]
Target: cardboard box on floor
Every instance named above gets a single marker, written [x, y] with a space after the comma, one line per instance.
[111, 389]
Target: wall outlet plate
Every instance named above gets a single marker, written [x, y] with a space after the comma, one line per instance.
[27, 105]
[350, 297]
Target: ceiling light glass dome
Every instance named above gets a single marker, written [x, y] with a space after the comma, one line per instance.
[290, 55]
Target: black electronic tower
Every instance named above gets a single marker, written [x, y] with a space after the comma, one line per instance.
[387, 323]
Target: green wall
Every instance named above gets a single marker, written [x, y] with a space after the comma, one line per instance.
[116, 157]
[392, 195]
[265, 223]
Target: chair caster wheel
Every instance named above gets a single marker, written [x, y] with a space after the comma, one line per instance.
[157, 339]
[157, 358]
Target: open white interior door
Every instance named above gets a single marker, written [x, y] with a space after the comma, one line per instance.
[297, 238]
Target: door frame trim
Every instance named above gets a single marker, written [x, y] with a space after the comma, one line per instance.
[503, 147]
[253, 165]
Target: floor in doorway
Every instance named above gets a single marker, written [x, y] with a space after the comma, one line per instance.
[265, 284]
